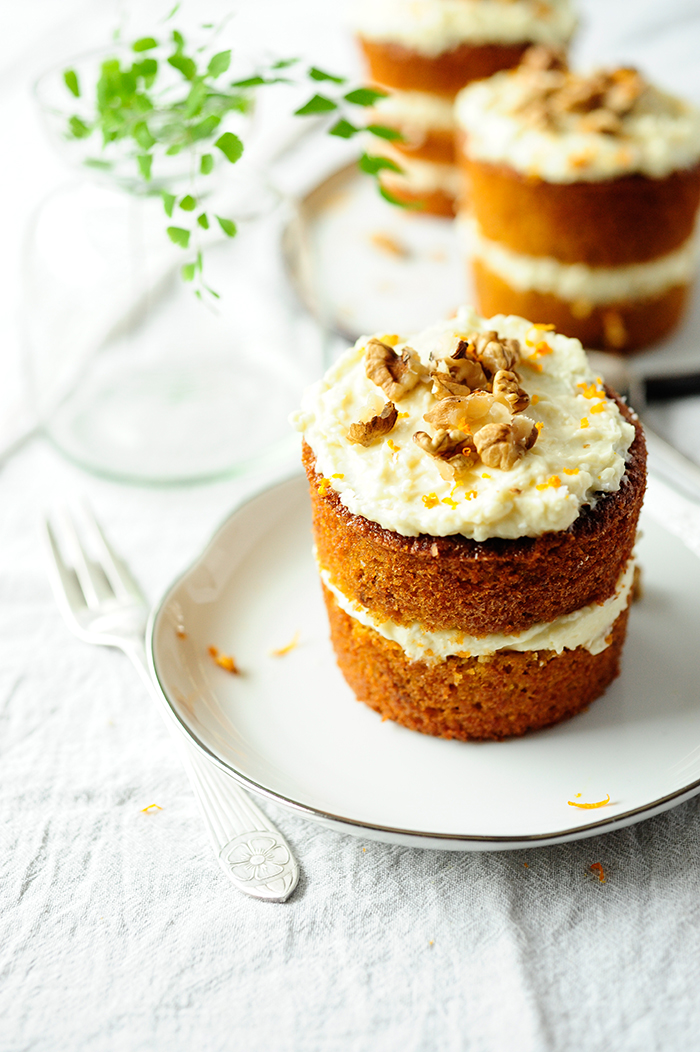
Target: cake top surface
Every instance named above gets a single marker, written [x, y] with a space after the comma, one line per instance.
[433, 26]
[547, 121]
[519, 437]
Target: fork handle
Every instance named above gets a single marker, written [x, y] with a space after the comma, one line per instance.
[250, 850]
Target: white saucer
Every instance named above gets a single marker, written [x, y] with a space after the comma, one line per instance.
[290, 729]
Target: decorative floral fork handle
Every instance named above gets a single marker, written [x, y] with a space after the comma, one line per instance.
[102, 604]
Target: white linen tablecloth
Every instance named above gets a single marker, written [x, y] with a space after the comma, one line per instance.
[117, 929]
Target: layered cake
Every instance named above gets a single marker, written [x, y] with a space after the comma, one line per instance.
[583, 195]
[475, 494]
[423, 52]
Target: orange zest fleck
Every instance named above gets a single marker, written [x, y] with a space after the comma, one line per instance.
[590, 390]
[534, 400]
[539, 425]
[151, 807]
[470, 494]
[224, 661]
[589, 807]
[599, 407]
[571, 471]
[430, 500]
[391, 339]
[597, 868]
[485, 475]
[338, 476]
[553, 482]
[323, 487]
[392, 446]
[544, 328]
[291, 645]
[543, 348]
[531, 363]
[402, 416]
[448, 500]
[584, 422]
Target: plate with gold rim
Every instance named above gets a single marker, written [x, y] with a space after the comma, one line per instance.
[289, 728]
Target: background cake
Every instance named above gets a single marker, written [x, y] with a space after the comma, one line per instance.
[583, 193]
[424, 51]
[475, 495]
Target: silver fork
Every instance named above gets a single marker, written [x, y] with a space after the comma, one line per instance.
[102, 603]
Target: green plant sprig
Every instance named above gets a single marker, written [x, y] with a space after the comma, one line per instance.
[132, 107]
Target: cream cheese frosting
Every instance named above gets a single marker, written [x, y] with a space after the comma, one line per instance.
[420, 176]
[580, 452]
[416, 112]
[589, 627]
[578, 282]
[660, 135]
[431, 27]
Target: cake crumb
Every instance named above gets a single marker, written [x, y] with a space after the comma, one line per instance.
[391, 245]
[180, 632]
[291, 645]
[224, 661]
[434, 550]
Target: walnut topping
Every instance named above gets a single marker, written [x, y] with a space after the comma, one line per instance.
[459, 374]
[465, 413]
[365, 433]
[495, 353]
[502, 445]
[395, 374]
[544, 56]
[455, 449]
[507, 390]
[595, 103]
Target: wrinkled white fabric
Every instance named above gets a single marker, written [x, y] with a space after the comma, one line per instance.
[119, 932]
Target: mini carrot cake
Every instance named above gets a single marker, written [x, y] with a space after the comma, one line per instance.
[583, 194]
[424, 51]
[475, 494]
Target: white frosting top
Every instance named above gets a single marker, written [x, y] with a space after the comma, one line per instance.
[433, 26]
[579, 453]
[661, 134]
[589, 627]
[577, 281]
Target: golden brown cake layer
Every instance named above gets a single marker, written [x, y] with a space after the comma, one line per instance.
[612, 223]
[406, 70]
[436, 202]
[508, 694]
[480, 587]
[622, 327]
[437, 145]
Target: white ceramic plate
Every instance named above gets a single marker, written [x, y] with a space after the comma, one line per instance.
[289, 728]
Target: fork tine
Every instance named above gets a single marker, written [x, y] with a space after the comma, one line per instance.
[65, 584]
[79, 560]
[116, 572]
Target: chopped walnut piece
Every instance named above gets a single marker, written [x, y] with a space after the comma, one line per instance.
[395, 374]
[603, 121]
[365, 433]
[502, 445]
[626, 88]
[461, 369]
[455, 450]
[544, 56]
[495, 353]
[507, 390]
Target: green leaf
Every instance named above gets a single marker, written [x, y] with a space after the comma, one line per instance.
[97, 162]
[178, 39]
[146, 68]
[188, 271]
[382, 132]
[144, 44]
[284, 63]
[144, 162]
[173, 12]
[212, 293]
[372, 165]
[70, 78]
[205, 128]
[227, 225]
[388, 196]
[251, 82]
[172, 150]
[78, 129]
[203, 221]
[364, 96]
[199, 261]
[168, 202]
[186, 66]
[318, 74]
[143, 136]
[219, 63]
[318, 104]
[206, 165]
[178, 236]
[188, 203]
[343, 129]
[230, 145]
[195, 100]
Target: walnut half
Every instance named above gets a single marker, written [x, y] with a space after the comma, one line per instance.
[395, 374]
[454, 449]
[364, 434]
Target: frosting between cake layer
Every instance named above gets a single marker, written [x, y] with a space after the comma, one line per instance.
[416, 111]
[431, 28]
[661, 138]
[418, 175]
[578, 282]
[589, 627]
[580, 451]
